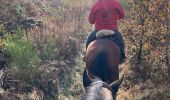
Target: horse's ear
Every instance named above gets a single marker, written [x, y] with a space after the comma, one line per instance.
[116, 84]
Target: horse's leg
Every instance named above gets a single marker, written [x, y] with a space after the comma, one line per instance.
[86, 80]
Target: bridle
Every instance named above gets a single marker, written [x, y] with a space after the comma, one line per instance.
[104, 84]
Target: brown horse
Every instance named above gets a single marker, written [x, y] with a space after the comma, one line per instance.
[102, 60]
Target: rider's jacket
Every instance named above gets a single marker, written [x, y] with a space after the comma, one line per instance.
[105, 13]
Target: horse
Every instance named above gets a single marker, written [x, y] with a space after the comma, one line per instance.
[99, 90]
[102, 61]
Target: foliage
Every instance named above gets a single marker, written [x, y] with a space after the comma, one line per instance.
[43, 57]
[145, 27]
[24, 60]
[20, 50]
[11, 10]
[124, 3]
[49, 50]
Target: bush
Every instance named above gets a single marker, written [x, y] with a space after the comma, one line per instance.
[20, 50]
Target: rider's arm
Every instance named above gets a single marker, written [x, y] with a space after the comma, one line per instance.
[92, 15]
[119, 10]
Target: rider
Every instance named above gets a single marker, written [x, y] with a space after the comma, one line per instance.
[105, 14]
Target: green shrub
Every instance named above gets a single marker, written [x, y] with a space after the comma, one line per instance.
[24, 60]
[49, 49]
[20, 50]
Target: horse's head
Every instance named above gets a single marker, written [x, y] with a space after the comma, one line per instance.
[99, 90]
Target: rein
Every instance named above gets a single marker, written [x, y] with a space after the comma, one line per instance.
[104, 84]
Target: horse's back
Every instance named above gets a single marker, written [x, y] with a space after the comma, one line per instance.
[112, 52]
[104, 45]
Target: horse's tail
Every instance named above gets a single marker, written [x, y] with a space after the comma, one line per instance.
[100, 65]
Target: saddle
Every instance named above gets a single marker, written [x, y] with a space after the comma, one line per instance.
[109, 34]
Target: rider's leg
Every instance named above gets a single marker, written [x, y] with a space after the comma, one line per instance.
[86, 79]
[91, 38]
[120, 43]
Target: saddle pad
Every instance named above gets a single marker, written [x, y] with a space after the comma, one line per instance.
[103, 33]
